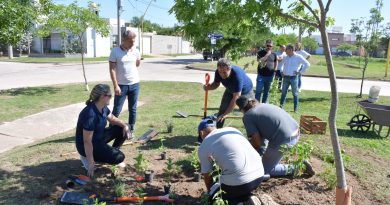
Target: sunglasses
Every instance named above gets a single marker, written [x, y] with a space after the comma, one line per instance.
[269, 46]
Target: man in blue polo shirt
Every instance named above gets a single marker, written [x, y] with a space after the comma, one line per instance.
[236, 82]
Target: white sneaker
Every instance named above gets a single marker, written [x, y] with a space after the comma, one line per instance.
[84, 161]
[253, 200]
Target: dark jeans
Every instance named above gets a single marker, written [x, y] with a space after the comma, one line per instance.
[226, 98]
[287, 81]
[104, 153]
[132, 92]
[240, 193]
[299, 81]
[263, 83]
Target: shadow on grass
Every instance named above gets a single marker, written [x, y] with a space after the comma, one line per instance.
[312, 99]
[70, 139]
[33, 91]
[357, 134]
[184, 61]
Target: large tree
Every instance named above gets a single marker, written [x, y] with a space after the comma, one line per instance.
[230, 18]
[17, 17]
[74, 20]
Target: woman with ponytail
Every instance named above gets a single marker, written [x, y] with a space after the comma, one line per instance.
[92, 135]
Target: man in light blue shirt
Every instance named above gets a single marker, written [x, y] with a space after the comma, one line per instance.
[292, 66]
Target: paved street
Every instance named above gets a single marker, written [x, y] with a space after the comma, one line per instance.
[15, 75]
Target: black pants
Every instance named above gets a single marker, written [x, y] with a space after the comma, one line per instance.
[240, 193]
[226, 98]
[104, 153]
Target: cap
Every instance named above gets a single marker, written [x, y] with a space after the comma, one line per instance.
[206, 122]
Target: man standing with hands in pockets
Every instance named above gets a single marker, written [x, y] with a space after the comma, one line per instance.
[124, 62]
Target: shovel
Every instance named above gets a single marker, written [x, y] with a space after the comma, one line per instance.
[87, 198]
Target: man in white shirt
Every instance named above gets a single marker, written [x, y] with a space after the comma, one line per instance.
[241, 166]
[292, 66]
[124, 62]
[304, 54]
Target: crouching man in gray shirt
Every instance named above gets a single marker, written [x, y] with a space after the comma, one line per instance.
[240, 164]
[266, 121]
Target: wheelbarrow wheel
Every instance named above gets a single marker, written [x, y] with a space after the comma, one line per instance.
[360, 122]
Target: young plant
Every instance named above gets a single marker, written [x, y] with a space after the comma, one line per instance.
[217, 198]
[162, 148]
[95, 202]
[139, 191]
[296, 156]
[273, 98]
[171, 169]
[114, 171]
[141, 163]
[169, 124]
[194, 160]
[329, 176]
[120, 189]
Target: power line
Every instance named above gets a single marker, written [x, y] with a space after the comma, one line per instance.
[154, 5]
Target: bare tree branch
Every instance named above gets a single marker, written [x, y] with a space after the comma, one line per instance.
[311, 10]
[322, 8]
[298, 19]
[327, 6]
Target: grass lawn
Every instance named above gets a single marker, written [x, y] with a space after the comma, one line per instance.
[344, 67]
[34, 174]
[52, 60]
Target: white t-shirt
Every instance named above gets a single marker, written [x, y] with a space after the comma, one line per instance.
[232, 152]
[280, 55]
[126, 68]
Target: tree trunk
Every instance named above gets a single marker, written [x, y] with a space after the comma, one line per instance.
[363, 75]
[300, 33]
[341, 182]
[10, 52]
[82, 62]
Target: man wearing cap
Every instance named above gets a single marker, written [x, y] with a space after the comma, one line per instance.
[269, 122]
[241, 166]
[237, 83]
[268, 63]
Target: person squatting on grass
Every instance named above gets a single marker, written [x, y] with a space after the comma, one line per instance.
[124, 62]
[241, 168]
[265, 71]
[237, 83]
[92, 135]
[291, 67]
[269, 122]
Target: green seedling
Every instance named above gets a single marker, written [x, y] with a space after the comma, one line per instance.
[296, 155]
[114, 170]
[169, 124]
[162, 148]
[171, 169]
[194, 160]
[120, 189]
[217, 198]
[139, 191]
[141, 163]
[329, 176]
[95, 202]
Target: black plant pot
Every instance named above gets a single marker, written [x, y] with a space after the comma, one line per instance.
[163, 156]
[149, 175]
[197, 176]
[167, 188]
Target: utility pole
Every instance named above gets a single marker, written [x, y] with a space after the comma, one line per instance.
[119, 10]
[142, 28]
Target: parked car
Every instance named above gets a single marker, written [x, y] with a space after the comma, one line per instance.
[343, 54]
[207, 54]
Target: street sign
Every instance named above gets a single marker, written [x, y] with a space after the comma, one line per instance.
[213, 41]
[215, 35]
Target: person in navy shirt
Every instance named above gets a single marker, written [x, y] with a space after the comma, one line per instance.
[92, 135]
[236, 82]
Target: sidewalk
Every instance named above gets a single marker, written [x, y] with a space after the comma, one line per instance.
[42, 125]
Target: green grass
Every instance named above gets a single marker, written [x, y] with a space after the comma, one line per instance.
[344, 67]
[178, 54]
[52, 60]
[32, 174]
[20, 102]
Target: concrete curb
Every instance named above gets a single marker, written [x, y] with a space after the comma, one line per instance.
[314, 76]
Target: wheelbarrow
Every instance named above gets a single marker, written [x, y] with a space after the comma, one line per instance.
[377, 116]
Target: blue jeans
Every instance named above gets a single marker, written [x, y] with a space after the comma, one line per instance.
[263, 82]
[287, 81]
[299, 81]
[271, 161]
[131, 91]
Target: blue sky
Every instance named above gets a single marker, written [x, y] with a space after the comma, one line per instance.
[342, 10]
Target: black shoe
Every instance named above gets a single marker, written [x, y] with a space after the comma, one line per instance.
[309, 169]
